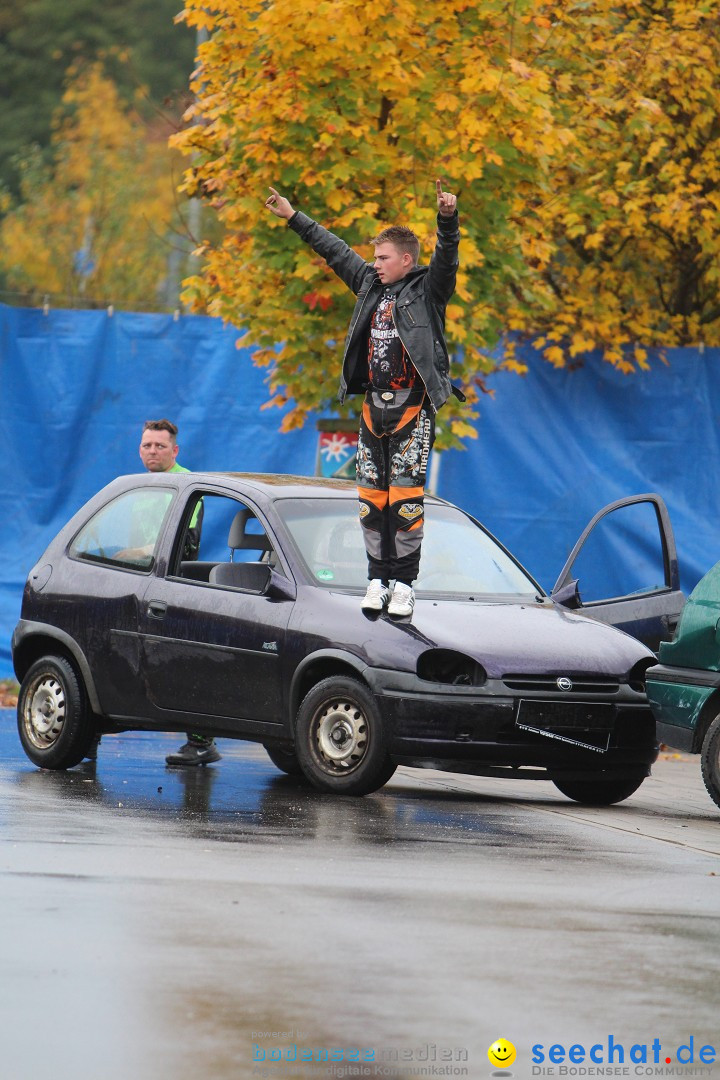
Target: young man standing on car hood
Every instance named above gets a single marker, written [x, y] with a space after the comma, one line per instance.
[395, 353]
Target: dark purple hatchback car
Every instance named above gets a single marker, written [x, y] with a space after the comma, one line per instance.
[229, 604]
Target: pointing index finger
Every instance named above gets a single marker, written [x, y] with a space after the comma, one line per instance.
[438, 187]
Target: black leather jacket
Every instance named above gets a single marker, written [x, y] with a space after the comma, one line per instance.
[419, 307]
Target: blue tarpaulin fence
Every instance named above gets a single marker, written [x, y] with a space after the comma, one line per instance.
[553, 446]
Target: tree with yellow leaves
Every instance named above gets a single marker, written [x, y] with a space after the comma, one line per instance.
[581, 139]
[625, 243]
[92, 227]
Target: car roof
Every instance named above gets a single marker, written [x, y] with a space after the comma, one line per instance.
[271, 485]
[281, 485]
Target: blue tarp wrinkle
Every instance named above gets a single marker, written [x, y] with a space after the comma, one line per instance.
[553, 446]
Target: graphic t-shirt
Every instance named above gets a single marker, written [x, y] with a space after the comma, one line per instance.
[389, 364]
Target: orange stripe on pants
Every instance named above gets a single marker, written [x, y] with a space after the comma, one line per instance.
[405, 494]
[378, 498]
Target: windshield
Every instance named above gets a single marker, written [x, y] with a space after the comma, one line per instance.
[457, 555]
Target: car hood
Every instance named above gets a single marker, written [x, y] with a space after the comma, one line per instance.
[503, 637]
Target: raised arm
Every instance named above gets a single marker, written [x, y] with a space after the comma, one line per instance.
[444, 262]
[342, 260]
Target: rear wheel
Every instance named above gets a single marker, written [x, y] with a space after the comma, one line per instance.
[55, 724]
[286, 760]
[710, 761]
[599, 792]
[339, 738]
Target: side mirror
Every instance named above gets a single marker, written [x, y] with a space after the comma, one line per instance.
[568, 596]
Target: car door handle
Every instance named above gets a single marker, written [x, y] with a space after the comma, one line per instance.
[157, 609]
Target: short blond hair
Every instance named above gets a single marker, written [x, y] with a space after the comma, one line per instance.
[402, 238]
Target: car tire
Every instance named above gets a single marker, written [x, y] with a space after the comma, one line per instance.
[339, 738]
[599, 792]
[285, 760]
[710, 761]
[55, 723]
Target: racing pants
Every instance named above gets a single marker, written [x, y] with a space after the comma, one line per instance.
[397, 431]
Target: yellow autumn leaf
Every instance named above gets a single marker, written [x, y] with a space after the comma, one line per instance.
[463, 430]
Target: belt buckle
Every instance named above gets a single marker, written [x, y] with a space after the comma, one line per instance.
[387, 395]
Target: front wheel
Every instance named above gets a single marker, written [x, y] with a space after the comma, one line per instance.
[55, 724]
[710, 761]
[602, 792]
[339, 738]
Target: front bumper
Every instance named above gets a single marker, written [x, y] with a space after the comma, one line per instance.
[479, 729]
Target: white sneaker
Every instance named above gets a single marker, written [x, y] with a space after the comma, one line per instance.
[403, 600]
[376, 597]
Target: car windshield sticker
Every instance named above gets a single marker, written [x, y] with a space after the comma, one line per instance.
[325, 575]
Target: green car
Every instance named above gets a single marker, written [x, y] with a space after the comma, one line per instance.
[684, 688]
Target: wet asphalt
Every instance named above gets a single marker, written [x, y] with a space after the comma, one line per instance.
[183, 923]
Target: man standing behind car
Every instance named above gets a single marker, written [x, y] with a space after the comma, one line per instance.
[158, 453]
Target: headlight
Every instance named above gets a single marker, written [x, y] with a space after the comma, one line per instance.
[448, 666]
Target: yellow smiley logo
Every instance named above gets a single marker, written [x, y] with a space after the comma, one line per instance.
[502, 1053]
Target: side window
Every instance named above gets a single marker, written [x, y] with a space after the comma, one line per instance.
[622, 556]
[219, 531]
[126, 531]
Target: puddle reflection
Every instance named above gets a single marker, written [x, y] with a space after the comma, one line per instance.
[246, 798]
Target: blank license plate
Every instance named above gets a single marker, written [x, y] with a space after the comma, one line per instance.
[565, 715]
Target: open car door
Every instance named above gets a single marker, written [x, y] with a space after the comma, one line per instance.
[624, 571]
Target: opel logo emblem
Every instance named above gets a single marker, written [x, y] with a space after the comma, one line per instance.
[564, 684]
